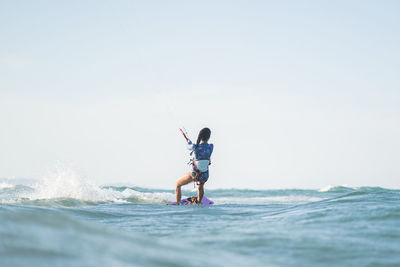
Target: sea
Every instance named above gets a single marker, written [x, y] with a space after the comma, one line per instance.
[71, 222]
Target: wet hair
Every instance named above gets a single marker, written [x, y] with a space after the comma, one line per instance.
[204, 135]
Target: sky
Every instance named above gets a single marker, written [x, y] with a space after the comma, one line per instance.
[297, 94]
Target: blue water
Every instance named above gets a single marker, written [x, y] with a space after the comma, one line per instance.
[79, 224]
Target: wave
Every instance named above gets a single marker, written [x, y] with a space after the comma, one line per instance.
[45, 237]
[61, 221]
[4, 185]
[336, 188]
[267, 200]
[66, 188]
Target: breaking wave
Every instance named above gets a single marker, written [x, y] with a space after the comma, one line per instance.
[65, 187]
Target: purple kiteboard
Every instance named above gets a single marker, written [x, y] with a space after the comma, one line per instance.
[187, 201]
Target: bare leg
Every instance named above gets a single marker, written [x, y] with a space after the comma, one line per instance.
[200, 192]
[187, 178]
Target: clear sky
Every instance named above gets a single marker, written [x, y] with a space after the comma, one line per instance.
[298, 94]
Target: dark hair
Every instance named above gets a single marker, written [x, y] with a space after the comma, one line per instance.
[204, 135]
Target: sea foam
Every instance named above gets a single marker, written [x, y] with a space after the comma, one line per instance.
[67, 184]
[4, 185]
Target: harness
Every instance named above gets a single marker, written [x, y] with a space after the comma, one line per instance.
[199, 166]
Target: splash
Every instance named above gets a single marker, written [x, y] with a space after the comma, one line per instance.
[65, 183]
[334, 188]
[4, 185]
[65, 187]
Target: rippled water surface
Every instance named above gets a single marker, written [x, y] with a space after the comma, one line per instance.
[78, 224]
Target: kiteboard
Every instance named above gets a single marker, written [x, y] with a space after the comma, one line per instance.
[188, 201]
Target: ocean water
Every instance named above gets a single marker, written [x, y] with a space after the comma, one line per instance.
[70, 222]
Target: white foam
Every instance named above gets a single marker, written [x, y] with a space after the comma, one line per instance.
[67, 184]
[64, 183]
[156, 196]
[330, 187]
[4, 185]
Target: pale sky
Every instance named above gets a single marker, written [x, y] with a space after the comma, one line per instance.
[298, 94]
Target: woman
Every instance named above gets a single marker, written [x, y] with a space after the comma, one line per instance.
[202, 153]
